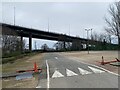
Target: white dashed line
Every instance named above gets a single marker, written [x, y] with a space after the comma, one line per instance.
[48, 75]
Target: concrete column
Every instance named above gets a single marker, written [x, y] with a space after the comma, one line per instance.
[80, 45]
[30, 42]
[64, 45]
[21, 46]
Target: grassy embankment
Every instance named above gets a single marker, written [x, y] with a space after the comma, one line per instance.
[23, 63]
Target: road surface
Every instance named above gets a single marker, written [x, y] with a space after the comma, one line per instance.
[61, 72]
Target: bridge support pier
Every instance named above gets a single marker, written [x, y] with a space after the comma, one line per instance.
[76, 45]
[64, 46]
[30, 43]
[21, 46]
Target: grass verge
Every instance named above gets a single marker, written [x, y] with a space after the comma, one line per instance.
[24, 63]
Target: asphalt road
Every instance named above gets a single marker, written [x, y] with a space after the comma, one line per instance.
[61, 72]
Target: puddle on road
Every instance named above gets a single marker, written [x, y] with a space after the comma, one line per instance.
[24, 76]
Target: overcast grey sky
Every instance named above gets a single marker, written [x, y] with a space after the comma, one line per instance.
[61, 15]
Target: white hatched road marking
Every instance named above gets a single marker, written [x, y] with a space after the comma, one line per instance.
[57, 74]
[95, 70]
[83, 72]
[70, 73]
[76, 59]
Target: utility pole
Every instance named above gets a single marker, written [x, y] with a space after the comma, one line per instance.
[91, 39]
[87, 39]
[69, 29]
[48, 24]
[69, 35]
[14, 16]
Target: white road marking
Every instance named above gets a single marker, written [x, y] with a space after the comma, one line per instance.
[57, 74]
[95, 70]
[56, 57]
[70, 73]
[48, 75]
[83, 72]
[107, 70]
[76, 59]
[38, 87]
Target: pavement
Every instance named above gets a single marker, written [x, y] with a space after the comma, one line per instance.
[62, 72]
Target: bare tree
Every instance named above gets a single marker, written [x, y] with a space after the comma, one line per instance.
[107, 38]
[59, 45]
[11, 43]
[114, 23]
[44, 47]
[101, 37]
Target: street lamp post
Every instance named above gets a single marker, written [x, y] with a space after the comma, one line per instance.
[48, 24]
[91, 33]
[88, 38]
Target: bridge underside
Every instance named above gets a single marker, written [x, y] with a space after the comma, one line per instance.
[39, 34]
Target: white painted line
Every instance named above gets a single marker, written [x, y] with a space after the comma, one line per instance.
[107, 70]
[83, 72]
[70, 73]
[57, 74]
[95, 70]
[101, 68]
[48, 75]
[98, 67]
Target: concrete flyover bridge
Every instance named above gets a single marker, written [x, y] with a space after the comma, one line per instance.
[39, 34]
